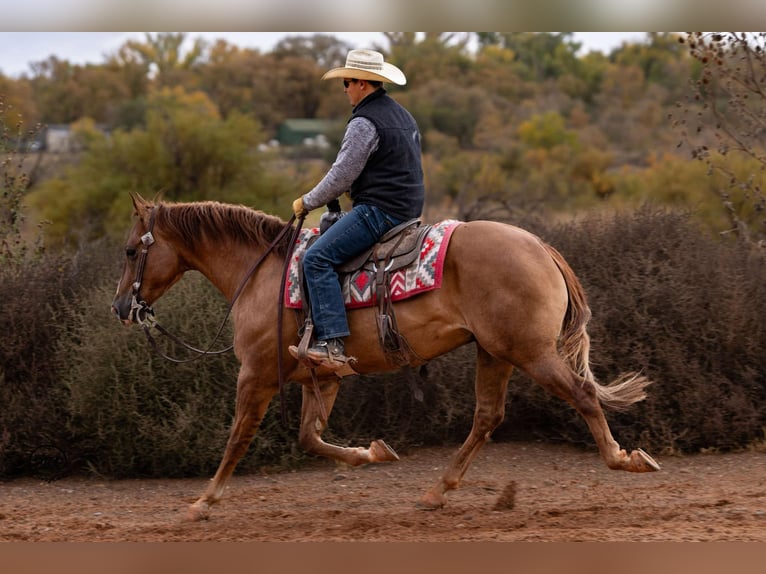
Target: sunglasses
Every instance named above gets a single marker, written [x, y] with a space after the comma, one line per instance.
[346, 83]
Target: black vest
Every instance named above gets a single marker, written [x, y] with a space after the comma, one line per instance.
[393, 177]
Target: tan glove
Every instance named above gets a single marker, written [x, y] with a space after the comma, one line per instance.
[298, 208]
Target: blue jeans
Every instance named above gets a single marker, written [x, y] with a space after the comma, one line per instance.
[355, 232]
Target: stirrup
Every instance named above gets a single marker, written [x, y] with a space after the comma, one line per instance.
[329, 353]
[342, 366]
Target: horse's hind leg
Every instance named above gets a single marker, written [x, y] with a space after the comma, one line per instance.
[252, 402]
[490, 386]
[555, 376]
[312, 426]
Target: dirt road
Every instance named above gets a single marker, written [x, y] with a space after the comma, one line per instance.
[561, 494]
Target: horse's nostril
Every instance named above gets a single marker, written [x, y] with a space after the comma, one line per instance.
[116, 312]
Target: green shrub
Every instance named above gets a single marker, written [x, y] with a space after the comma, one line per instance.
[134, 413]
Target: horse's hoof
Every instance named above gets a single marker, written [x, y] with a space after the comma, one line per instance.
[197, 512]
[431, 501]
[381, 452]
[642, 462]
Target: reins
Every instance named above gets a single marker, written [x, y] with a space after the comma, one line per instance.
[147, 321]
[144, 314]
[280, 315]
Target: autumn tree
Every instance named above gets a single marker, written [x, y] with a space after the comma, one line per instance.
[429, 56]
[64, 92]
[660, 57]
[542, 55]
[13, 184]
[168, 61]
[324, 49]
[186, 151]
[451, 110]
[18, 99]
[723, 123]
[234, 78]
[264, 86]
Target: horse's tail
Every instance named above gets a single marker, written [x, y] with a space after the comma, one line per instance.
[574, 342]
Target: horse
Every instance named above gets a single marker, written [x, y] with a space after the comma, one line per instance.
[503, 288]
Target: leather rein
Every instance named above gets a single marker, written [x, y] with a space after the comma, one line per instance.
[143, 314]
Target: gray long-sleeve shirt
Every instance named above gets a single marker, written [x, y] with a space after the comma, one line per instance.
[359, 142]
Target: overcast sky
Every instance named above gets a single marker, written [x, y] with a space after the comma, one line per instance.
[19, 49]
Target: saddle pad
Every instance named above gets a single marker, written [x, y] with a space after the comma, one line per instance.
[423, 274]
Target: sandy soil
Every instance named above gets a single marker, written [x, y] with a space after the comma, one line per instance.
[561, 494]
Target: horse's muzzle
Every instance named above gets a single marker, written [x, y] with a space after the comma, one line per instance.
[129, 311]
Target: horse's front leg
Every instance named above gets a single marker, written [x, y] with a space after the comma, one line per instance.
[253, 398]
[313, 425]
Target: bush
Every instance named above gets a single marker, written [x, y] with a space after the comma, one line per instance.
[667, 299]
[33, 286]
[32, 294]
[687, 310]
[134, 413]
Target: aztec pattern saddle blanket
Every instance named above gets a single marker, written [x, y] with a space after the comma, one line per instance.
[423, 274]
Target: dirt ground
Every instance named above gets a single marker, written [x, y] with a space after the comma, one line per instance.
[561, 494]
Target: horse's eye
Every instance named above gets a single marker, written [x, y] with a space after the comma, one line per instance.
[131, 252]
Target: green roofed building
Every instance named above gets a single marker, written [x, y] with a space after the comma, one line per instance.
[297, 131]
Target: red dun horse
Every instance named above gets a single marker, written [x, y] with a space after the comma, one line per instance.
[503, 289]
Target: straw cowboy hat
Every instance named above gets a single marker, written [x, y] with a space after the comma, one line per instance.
[367, 65]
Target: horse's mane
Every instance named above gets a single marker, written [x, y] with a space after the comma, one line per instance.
[213, 221]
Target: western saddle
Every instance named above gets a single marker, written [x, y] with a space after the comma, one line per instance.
[397, 249]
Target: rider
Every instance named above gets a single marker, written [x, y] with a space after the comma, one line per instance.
[379, 165]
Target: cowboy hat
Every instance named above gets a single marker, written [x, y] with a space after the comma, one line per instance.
[367, 65]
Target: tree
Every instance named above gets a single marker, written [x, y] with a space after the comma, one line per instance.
[17, 97]
[725, 117]
[164, 56]
[546, 131]
[13, 184]
[326, 50]
[432, 56]
[236, 78]
[183, 149]
[56, 91]
[63, 92]
[542, 55]
[663, 62]
[265, 86]
[452, 110]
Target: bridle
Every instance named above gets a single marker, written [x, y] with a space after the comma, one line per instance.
[140, 311]
[143, 314]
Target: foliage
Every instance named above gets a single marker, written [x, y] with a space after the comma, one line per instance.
[324, 48]
[14, 181]
[542, 56]
[130, 410]
[724, 118]
[559, 130]
[677, 304]
[521, 129]
[185, 150]
[450, 110]
[161, 54]
[32, 285]
[667, 299]
[546, 131]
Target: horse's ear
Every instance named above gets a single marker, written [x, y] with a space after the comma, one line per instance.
[139, 203]
[158, 196]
